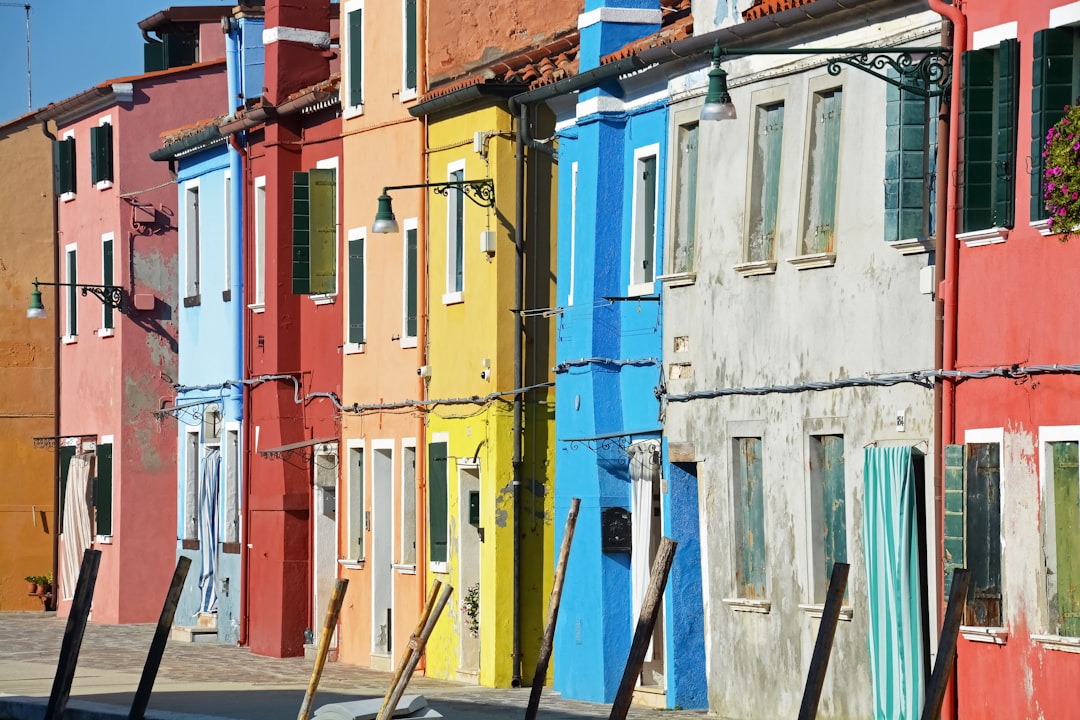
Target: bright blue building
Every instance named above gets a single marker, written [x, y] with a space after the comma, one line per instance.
[613, 159]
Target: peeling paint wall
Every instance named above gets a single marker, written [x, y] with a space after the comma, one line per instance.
[860, 316]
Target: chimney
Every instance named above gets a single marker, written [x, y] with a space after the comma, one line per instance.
[297, 41]
[608, 25]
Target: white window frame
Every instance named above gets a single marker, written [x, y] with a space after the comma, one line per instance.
[190, 486]
[231, 461]
[105, 184]
[996, 635]
[407, 568]
[107, 331]
[573, 230]
[352, 348]
[71, 297]
[107, 539]
[1052, 434]
[638, 285]
[408, 93]
[258, 270]
[434, 566]
[329, 298]
[191, 253]
[352, 444]
[409, 341]
[452, 295]
[69, 196]
[350, 6]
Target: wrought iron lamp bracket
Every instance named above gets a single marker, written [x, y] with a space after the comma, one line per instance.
[927, 76]
[111, 296]
[481, 192]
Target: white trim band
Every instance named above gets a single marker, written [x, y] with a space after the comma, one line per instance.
[297, 35]
[991, 36]
[636, 16]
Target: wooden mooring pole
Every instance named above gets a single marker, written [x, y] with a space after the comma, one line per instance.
[329, 624]
[650, 608]
[946, 655]
[73, 635]
[819, 661]
[161, 637]
[542, 660]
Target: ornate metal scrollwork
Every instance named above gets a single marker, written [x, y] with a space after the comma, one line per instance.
[111, 295]
[922, 73]
[481, 192]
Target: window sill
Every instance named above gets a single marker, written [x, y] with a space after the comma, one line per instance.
[351, 564]
[990, 236]
[439, 567]
[353, 348]
[257, 308]
[757, 267]
[639, 289]
[408, 342]
[1043, 226]
[192, 301]
[453, 298]
[70, 339]
[103, 539]
[106, 332]
[353, 111]
[815, 610]
[405, 569]
[407, 95]
[814, 260]
[750, 606]
[324, 299]
[67, 197]
[1061, 643]
[913, 246]
[994, 635]
[103, 184]
[677, 279]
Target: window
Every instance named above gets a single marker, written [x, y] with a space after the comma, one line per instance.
[357, 283]
[749, 525]
[1055, 84]
[685, 226]
[973, 526]
[230, 526]
[103, 483]
[437, 499]
[408, 505]
[408, 45]
[107, 278]
[357, 517]
[101, 154]
[990, 99]
[315, 230]
[190, 531]
[354, 63]
[64, 167]
[455, 236]
[910, 164]
[765, 182]
[828, 513]
[226, 293]
[412, 294]
[191, 243]
[259, 295]
[819, 209]
[643, 250]
[573, 231]
[1060, 465]
[71, 329]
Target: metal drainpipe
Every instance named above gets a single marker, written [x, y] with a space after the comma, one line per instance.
[52, 602]
[519, 331]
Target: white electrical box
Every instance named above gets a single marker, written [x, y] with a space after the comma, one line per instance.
[487, 242]
[926, 280]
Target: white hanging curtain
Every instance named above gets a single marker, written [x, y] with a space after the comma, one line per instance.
[208, 501]
[77, 537]
[644, 471]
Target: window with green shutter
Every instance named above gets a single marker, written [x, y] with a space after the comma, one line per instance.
[101, 154]
[910, 164]
[437, 502]
[685, 227]
[1063, 536]
[357, 278]
[765, 181]
[103, 494]
[107, 278]
[1053, 86]
[354, 44]
[67, 452]
[410, 45]
[355, 475]
[819, 212]
[411, 280]
[314, 257]
[455, 234]
[64, 166]
[750, 570]
[828, 513]
[990, 86]
[973, 527]
[71, 327]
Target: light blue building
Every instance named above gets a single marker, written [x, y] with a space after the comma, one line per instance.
[613, 159]
[209, 403]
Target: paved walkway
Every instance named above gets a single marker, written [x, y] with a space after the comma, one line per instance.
[205, 678]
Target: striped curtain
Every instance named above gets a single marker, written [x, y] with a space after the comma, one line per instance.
[891, 542]
[208, 502]
[77, 531]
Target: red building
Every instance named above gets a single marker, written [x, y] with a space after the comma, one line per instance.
[1011, 421]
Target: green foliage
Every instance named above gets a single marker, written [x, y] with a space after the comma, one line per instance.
[1061, 179]
[470, 607]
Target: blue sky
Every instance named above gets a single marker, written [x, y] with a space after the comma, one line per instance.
[74, 45]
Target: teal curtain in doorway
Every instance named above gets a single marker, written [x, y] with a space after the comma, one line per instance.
[891, 543]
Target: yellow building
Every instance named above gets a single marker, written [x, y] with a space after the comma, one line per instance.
[496, 616]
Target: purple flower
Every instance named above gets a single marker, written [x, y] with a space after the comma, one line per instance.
[1050, 187]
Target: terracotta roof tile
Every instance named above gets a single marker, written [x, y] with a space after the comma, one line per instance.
[676, 24]
[762, 8]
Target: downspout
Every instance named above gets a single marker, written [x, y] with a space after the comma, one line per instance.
[421, 340]
[519, 380]
[947, 248]
[53, 601]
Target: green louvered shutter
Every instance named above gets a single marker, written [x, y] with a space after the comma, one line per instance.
[103, 497]
[1008, 102]
[101, 155]
[982, 516]
[437, 518]
[107, 279]
[820, 233]
[301, 254]
[749, 519]
[954, 513]
[411, 280]
[154, 56]
[66, 453]
[834, 497]
[356, 58]
[906, 130]
[1066, 469]
[181, 49]
[978, 168]
[322, 231]
[1051, 91]
[356, 291]
[64, 166]
[410, 44]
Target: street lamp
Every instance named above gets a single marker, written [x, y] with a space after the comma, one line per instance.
[110, 295]
[481, 192]
[718, 105]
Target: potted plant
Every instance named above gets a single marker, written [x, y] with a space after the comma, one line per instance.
[45, 584]
[31, 584]
[1061, 177]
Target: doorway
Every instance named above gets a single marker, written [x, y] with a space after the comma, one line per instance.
[646, 518]
[470, 535]
[325, 532]
[382, 549]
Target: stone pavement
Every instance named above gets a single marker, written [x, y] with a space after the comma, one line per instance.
[208, 679]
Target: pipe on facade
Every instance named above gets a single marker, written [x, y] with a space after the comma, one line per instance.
[52, 602]
[421, 342]
[947, 257]
[519, 375]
